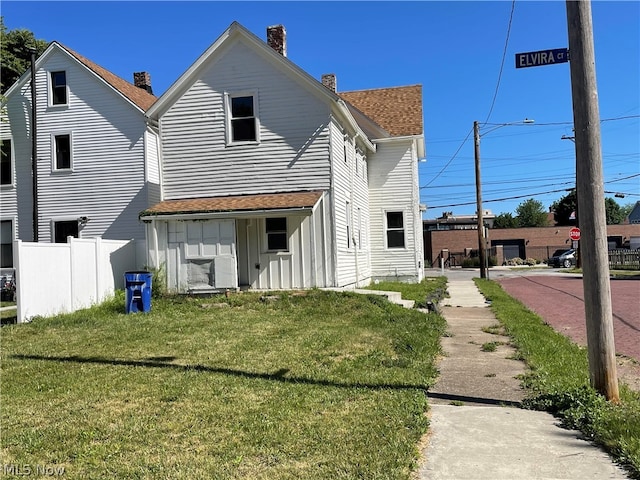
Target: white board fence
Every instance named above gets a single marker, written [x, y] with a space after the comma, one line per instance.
[54, 278]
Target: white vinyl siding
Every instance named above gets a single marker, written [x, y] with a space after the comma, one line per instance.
[393, 187]
[10, 208]
[151, 153]
[108, 180]
[350, 193]
[293, 130]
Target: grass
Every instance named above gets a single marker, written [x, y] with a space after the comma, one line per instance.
[430, 289]
[321, 385]
[558, 381]
[491, 346]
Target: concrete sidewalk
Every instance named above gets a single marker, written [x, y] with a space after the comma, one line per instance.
[476, 429]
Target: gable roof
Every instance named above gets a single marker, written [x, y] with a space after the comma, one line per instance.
[137, 96]
[248, 203]
[237, 31]
[634, 215]
[398, 109]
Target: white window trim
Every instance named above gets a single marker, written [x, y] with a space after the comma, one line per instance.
[55, 220]
[11, 184]
[386, 229]
[50, 90]
[54, 156]
[228, 96]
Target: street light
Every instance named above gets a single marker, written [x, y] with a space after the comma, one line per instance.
[482, 253]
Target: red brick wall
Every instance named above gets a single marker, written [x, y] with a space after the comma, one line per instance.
[536, 239]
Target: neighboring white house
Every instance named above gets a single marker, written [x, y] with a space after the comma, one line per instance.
[272, 180]
[97, 162]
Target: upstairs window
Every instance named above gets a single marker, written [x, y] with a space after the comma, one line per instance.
[6, 163]
[395, 230]
[243, 118]
[62, 152]
[58, 88]
[277, 238]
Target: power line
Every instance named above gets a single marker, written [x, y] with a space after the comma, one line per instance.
[625, 117]
[504, 54]
[450, 160]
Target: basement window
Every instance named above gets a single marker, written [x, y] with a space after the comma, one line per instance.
[64, 229]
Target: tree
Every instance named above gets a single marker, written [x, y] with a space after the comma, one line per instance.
[531, 213]
[505, 220]
[565, 208]
[15, 53]
[615, 213]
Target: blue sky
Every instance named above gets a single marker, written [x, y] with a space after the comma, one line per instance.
[453, 49]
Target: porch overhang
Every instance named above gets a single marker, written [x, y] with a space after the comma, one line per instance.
[238, 206]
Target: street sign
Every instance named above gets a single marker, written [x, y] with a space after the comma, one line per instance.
[574, 234]
[542, 57]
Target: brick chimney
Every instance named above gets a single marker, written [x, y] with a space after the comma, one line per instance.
[142, 80]
[277, 39]
[329, 81]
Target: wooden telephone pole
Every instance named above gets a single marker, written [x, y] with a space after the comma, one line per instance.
[482, 252]
[593, 224]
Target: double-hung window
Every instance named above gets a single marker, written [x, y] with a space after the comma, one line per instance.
[242, 116]
[62, 159]
[395, 230]
[59, 88]
[6, 162]
[277, 237]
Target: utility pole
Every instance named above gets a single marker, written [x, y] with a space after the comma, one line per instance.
[481, 240]
[589, 178]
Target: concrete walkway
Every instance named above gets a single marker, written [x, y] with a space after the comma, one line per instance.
[476, 429]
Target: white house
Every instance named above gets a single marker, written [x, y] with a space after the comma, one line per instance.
[97, 163]
[272, 180]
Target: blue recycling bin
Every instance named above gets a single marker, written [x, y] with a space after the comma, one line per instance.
[137, 291]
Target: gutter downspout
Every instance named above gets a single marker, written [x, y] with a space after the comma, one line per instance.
[34, 146]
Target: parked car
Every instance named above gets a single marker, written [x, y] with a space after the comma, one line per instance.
[7, 286]
[563, 258]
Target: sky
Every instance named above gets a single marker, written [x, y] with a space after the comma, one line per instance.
[462, 53]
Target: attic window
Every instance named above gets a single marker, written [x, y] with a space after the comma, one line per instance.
[58, 88]
[242, 118]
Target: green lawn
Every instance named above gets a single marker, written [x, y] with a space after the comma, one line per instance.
[321, 385]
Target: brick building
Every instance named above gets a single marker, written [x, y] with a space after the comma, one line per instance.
[537, 242]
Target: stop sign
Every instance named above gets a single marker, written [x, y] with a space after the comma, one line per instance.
[574, 233]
